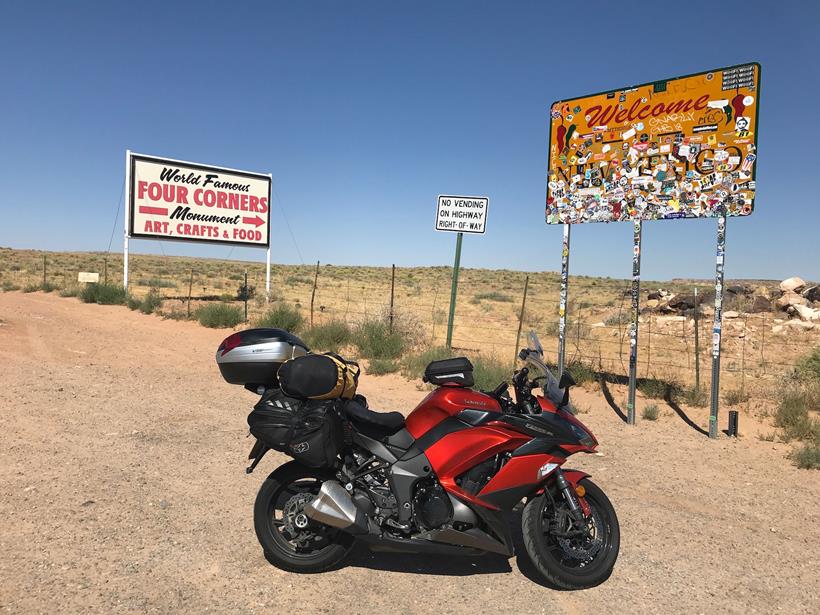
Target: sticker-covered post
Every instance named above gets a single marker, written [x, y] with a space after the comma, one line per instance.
[562, 301]
[633, 330]
[716, 328]
[459, 214]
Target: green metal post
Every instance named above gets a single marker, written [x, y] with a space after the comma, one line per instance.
[453, 291]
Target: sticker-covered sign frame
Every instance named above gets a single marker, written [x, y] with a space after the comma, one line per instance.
[684, 147]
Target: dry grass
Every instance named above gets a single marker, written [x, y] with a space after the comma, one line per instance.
[486, 315]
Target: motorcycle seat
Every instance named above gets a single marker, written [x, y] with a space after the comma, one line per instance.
[374, 424]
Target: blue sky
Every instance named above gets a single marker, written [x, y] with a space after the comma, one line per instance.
[365, 111]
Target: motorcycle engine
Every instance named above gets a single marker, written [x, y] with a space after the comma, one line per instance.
[474, 479]
[431, 506]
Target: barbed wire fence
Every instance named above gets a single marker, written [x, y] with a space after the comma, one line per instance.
[487, 322]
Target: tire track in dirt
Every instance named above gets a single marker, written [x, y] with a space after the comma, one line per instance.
[122, 489]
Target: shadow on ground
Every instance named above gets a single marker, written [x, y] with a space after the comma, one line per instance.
[668, 389]
[448, 565]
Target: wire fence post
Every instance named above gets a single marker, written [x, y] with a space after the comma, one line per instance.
[716, 328]
[743, 357]
[763, 344]
[697, 340]
[521, 317]
[313, 292]
[562, 303]
[105, 271]
[245, 295]
[190, 290]
[577, 334]
[433, 331]
[44, 271]
[392, 292]
[633, 331]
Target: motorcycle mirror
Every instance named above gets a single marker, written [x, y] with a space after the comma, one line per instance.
[566, 381]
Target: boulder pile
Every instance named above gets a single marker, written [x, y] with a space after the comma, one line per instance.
[798, 299]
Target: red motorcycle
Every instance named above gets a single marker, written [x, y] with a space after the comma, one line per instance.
[441, 480]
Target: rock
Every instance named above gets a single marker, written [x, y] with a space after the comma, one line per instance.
[798, 324]
[762, 291]
[737, 290]
[793, 284]
[652, 303]
[777, 329]
[760, 304]
[812, 293]
[597, 325]
[790, 298]
[730, 314]
[682, 302]
[807, 313]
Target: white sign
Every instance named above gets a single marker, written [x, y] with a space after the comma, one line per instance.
[171, 199]
[88, 277]
[462, 214]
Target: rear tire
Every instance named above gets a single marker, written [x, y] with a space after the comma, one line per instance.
[560, 563]
[316, 548]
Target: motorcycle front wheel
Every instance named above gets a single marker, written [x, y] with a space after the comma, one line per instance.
[567, 556]
[289, 539]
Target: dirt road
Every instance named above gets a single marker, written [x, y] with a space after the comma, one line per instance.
[122, 489]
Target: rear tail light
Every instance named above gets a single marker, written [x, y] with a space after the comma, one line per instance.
[229, 343]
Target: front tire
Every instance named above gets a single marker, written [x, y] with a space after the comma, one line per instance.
[311, 548]
[572, 563]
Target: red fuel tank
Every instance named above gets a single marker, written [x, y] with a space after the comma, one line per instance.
[444, 402]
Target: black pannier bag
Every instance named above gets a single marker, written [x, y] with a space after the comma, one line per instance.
[310, 431]
[319, 376]
[450, 372]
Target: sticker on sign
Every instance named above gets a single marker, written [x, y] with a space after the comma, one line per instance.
[171, 199]
[462, 214]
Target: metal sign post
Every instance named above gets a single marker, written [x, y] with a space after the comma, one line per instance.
[460, 214]
[126, 218]
[716, 328]
[453, 291]
[267, 275]
[562, 302]
[633, 331]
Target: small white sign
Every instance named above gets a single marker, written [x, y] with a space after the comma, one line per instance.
[462, 214]
[88, 277]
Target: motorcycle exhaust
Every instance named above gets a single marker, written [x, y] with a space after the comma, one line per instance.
[333, 506]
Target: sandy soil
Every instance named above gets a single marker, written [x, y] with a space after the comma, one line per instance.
[122, 489]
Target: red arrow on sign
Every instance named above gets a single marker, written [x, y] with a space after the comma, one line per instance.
[256, 221]
[160, 211]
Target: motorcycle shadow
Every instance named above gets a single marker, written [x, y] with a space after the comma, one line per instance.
[416, 563]
[422, 563]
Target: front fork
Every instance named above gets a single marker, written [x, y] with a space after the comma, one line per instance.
[578, 505]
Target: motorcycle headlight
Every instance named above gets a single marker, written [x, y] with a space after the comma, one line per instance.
[583, 437]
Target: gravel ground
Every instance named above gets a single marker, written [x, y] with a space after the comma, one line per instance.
[122, 489]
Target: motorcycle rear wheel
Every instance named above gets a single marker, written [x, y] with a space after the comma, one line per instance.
[572, 563]
[314, 548]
